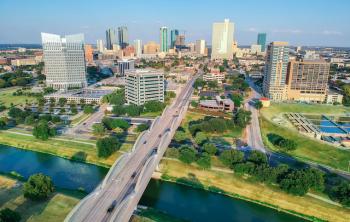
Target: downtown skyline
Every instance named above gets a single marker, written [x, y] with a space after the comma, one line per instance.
[317, 27]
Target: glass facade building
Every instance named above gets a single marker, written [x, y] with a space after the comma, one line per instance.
[262, 41]
[164, 39]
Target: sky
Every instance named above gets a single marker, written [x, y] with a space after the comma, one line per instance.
[299, 22]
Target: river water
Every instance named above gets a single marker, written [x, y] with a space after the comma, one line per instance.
[180, 201]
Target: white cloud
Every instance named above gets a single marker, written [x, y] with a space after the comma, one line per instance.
[288, 31]
[331, 32]
[252, 29]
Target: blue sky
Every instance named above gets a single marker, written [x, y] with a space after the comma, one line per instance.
[300, 22]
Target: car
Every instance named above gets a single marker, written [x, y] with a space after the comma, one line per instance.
[112, 206]
[144, 142]
[160, 135]
[133, 175]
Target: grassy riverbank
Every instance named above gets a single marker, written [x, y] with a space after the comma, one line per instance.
[240, 187]
[54, 209]
[68, 149]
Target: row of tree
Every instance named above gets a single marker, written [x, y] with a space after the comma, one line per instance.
[282, 142]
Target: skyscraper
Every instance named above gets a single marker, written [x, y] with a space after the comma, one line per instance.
[222, 38]
[200, 47]
[262, 41]
[138, 47]
[89, 57]
[111, 38]
[164, 39]
[276, 64]
[173, 34]
[64, 61]
[123, 37]
[99, 45]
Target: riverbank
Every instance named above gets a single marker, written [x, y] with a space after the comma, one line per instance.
[54, 209]
[243, 188]
[68, 149]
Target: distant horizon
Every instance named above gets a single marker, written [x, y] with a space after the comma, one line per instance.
[308, 23]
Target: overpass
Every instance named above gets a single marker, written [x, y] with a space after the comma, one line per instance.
[127, 179]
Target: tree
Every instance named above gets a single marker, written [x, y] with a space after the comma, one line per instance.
[242, 118]
[180, 136]
[118, 110]
[133, 110]
[115, 123]
[258, 105]
[200, 138]
[295, 183]
[154, 106]
[210, 148]
[187, 154]
[199, 83]
[2, 83]
[341, 193]
[88, 109]
[42, 130]
[194, 104]
[230, 157]
[98, 129]
[38, 187]
[222, 68]
[8, 215]
[107, 146]
[237, 99]
[62, 101]
[142, 127]
[30, 120]
[257, 157]
[213, 84]
[204, 161]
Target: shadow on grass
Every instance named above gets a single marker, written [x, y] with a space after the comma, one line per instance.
[8, 194]
[31, 208]
[191, 180]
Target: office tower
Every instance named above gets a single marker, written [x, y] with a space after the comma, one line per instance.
[151, 48]
[180, 41]
[262, 41]
[64, 61]
[89, 57]
[200, 47]
[111, 38]
[222, 38]
[164, 39]
[307, 80]
[123, 38]
[99, 45]
[274, 85]
[173, 34]
[143, 86]
[138, 48]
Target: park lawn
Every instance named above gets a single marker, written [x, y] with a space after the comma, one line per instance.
[270, 195]
[54, 209]
[307, 148]
[277, 108]
[7, 98]
[66, 149]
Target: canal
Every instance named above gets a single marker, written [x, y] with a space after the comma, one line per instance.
[180, 201]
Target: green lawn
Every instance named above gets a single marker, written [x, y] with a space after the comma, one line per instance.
[278, 108]
[54, 209]
[7, 98]
[66, 149]
[308, 148]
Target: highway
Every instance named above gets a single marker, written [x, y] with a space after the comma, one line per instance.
[129, 176]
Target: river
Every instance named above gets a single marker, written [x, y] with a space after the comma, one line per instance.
[180, 201]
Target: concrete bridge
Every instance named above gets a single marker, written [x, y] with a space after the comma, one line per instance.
[127, 179]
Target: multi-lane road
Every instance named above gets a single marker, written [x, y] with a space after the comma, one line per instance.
[129, 176]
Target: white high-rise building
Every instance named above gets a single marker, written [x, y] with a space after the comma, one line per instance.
[99, 45]
[222, 38]
[200, 46]
[138, 48]
[142, 85]
[64, 61]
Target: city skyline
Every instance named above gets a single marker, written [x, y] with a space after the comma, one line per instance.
[319, 27]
